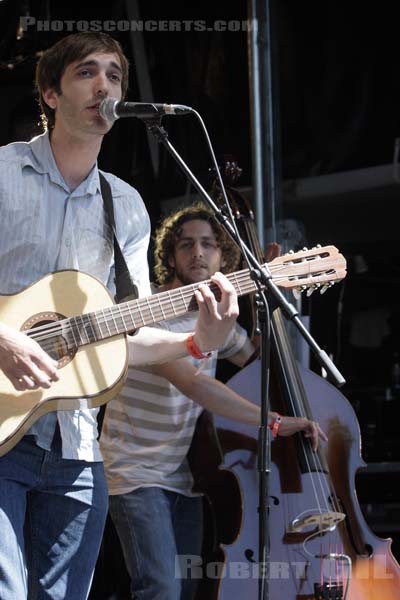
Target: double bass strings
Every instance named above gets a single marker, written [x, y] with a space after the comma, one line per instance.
[322, 490]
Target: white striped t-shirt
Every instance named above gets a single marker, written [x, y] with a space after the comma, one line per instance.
[148, 428]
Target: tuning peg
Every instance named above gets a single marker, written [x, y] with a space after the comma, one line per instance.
[310, 291]
[305, 249]
[325, 287]
[297, 293]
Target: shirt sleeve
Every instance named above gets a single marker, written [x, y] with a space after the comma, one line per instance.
[234, 343]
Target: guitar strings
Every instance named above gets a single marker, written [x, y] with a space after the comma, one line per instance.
[154, 308]
[153, 304]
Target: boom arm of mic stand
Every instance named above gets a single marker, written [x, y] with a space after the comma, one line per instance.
[260, 272]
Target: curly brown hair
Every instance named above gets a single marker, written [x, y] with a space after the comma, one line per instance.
[170, 230]
[55, 60]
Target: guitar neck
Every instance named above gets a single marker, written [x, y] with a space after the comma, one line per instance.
[134, 314]
[315, 268]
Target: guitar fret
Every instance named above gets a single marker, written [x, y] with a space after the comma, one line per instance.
[97, 328]
[140, 313]
[239, 289]
[128, 306]
[78, 330]
[161, 308]
[115, 330]
[106, 322]
[172, 304]
[71, 329]
[82, 330]
[150, 309]
[122, 318]
[87, 323]
[183, 298]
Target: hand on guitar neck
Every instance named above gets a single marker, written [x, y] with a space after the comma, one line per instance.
[215, 318]
[23, 361]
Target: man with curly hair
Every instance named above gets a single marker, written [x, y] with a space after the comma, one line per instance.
[171, 231]
[148, 429]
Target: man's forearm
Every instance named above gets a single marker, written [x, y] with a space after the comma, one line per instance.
[209, 392]
[221, 400]
[152, 346]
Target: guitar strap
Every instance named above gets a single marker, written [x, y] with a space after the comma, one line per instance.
[124, 286]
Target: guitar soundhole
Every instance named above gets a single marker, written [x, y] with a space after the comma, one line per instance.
[53, 342]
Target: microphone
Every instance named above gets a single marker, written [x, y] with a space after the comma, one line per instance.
[111, 109]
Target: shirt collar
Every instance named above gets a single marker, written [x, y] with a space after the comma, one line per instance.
[41, 159]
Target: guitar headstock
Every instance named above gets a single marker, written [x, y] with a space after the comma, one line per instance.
[317, 268]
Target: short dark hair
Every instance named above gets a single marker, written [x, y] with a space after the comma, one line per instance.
[170, 230]
[55, 60]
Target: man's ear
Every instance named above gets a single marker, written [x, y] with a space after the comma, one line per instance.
[171, 261]
[50, 97]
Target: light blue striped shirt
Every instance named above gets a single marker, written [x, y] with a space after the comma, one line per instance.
[44, 227]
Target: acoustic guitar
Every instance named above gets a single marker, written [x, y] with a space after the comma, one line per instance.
[74, 319]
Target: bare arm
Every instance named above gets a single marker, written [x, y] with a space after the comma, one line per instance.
[221, 400]
[151, 346]
[208, 392]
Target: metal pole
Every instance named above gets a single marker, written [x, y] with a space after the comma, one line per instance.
[265, 180]
[264, 119]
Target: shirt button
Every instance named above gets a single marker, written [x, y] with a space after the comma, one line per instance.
[68, 242]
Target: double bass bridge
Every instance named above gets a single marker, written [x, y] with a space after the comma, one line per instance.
[313, 524]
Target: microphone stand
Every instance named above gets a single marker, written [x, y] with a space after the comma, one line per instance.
[264, 449]
[262, 277]
[259, 272]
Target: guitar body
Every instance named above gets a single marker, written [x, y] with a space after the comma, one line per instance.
[91, 377]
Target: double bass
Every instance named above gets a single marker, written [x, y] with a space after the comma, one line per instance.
[321, 546]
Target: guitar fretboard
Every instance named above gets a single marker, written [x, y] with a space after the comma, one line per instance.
[134, 314]
[315, 267]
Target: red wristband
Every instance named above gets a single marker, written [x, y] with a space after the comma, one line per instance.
[275, 425]
[193, 348]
